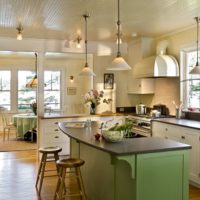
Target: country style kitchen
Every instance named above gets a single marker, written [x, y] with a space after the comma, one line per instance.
[99, 100]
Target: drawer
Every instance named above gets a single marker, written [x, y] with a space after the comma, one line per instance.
[56, 136]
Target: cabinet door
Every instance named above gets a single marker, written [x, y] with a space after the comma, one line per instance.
[191, 137]
[158, 129]
[166, 131]
[184, 135]
[141, 86]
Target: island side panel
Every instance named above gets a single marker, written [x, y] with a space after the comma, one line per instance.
[162, 176]
[125, 182]
[105, 176]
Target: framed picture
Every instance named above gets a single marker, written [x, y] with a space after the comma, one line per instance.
[108, 81]
[71, 91]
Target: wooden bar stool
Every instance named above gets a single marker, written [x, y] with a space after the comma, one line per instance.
[63, 165]
[41, 171]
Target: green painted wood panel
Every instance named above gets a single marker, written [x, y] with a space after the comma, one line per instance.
[162, 176]
[151, 176]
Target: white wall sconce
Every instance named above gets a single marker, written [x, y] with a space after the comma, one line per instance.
[71, 78]
[19, 33]
[78, 42]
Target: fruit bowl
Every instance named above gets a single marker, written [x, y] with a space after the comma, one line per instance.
[113, 136]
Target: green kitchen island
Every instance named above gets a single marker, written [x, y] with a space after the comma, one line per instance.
[133, 169]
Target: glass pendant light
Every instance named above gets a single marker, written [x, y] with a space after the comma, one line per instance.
[118, 63]
[196, 69]
[34, 81]
[86, 71]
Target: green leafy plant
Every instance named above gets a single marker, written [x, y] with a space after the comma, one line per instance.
[126, 127]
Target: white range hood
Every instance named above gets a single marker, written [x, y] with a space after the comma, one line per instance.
[157, 66]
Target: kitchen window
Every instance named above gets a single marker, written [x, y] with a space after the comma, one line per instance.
[26, 96]
[5, 89]
[190, 84]
[52, 80]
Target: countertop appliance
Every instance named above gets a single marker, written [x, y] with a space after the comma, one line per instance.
[140, 109]
[162, 109]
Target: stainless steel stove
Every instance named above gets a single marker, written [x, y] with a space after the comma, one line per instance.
[141, 124]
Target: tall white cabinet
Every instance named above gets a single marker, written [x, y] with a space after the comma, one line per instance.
[185, 135]
[139, 49]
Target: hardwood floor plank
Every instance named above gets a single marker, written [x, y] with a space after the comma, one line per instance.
[18, 174]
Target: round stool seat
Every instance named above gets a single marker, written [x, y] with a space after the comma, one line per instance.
[50, 150]
[70, 162]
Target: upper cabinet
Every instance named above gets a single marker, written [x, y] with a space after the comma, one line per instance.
[138, 50]
[141, 86]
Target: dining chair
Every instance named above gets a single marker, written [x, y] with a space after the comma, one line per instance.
[7, 126]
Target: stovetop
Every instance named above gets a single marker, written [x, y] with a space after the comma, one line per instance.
[147, 116]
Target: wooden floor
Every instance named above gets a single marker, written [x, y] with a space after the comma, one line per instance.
[14, 144]
[18, 174]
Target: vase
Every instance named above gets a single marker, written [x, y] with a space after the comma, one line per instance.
[92, 109]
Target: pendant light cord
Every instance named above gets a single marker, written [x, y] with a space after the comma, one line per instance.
[86, 16]
[197, 20]
[118, 28]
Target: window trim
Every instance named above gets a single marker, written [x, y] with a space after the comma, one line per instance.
[61, 85]
[183, 79]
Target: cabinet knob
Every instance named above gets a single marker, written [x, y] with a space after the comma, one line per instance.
[166, 129]
[56, 129]
[139, 85]
[56, 123]
[166, 137]
[56, 137]
[182, 137]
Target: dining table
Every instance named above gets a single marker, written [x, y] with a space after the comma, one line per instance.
[24, 122]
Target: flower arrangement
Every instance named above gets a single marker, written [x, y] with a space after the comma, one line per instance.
[34, 107]
[94, 97]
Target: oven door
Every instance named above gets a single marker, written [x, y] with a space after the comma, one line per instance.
[141, 131]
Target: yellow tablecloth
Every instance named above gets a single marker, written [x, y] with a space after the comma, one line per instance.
[24, 123]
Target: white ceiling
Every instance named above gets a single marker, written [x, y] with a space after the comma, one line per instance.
[62, 19]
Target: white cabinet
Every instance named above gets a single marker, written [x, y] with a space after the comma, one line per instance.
[138, 50]
[184, 135]
[51, 135]
[141, 86]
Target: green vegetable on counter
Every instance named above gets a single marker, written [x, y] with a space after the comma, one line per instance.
[122, 127]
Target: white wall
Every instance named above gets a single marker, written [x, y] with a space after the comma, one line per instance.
[71, 104]
[168, 89]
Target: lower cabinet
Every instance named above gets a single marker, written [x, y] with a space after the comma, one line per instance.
[184, 135]
[51, 135]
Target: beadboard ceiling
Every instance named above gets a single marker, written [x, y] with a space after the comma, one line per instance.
[62, 19]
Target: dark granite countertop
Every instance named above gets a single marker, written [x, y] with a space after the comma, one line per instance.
[125, 147]
[180, 122]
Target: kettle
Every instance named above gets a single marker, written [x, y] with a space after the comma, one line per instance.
[140, 109]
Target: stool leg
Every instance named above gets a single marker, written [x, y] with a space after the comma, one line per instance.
[56, 158]
[8, 133]
[62, 185]
[58, 182]
[80, 183]
[42, 172]
[4, 134]
[39, 170]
